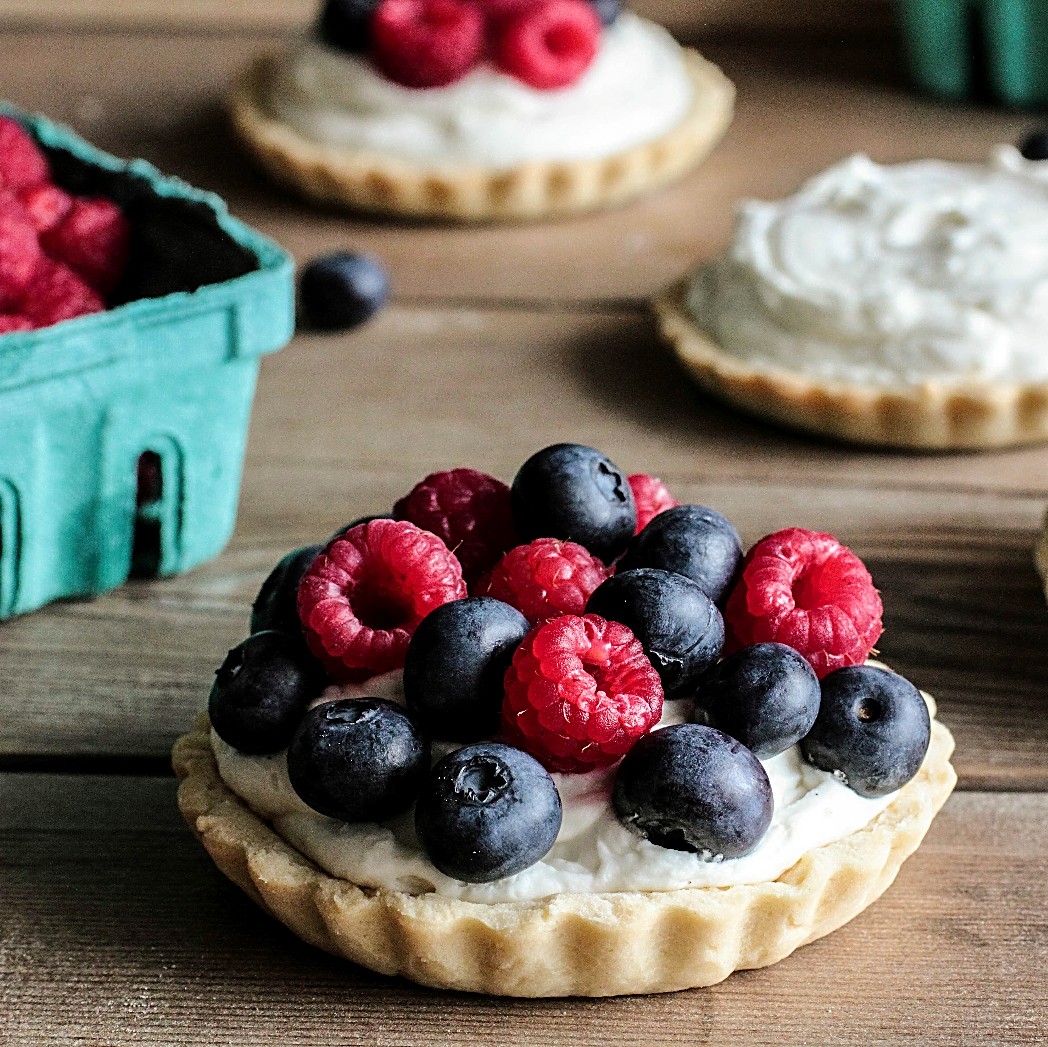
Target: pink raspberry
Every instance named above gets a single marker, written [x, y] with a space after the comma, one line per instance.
[46, 205]
[545, 578]
[20, 254]
[94, 240]
[469, 511]
[426, 43]
[808, 591]
[22, 163]
[652, 497]
[363, 596]
[579, 692]
[548, 44]
[12, 322]
[56, 293]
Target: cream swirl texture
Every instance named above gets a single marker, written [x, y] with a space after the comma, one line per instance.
[915, 273]
[636, 89]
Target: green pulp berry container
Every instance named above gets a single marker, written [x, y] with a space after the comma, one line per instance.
[122, 434]
[961, 48]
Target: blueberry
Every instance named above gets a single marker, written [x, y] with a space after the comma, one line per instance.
[346, 24]
[677, 623]
[692, 788]
[873, 729]
[276, 605]
[261, 691]
[487, 811]
[766, 696]
[607, 10]
[1034, 146]
[572, 492]
[690, 540]
[455, 664]
[358, 759]
[342, 290]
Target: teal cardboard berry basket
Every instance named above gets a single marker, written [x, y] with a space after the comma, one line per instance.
[122, 434]
[963, 48]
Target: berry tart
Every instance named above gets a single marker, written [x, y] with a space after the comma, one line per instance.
[480, 110]
[889, 305]
[508, 740]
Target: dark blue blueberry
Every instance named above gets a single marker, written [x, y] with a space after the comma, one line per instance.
[767, 696]
[455, 665]
[342, 290]
[487, 811]
[261, 691]
[692, 788]
[1035, 145]
[607, 10]
[873, 728]
[690, 540]
[276, 606]
[346, 24]
[574, 493]
[358, 759]
[678, 624]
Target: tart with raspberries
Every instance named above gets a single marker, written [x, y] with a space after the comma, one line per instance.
[479, 110]
[613, 754]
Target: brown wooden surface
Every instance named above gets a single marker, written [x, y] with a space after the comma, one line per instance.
[114, 927]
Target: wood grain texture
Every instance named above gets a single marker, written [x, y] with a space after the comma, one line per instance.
[346, 424]
[800, 107]
[116, 929]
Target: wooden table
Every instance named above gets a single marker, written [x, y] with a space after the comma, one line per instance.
[114, 926]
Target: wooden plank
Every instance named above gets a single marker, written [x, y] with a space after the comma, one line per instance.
[344, 425]
[694, 16]
[800, 108]
[116, 929]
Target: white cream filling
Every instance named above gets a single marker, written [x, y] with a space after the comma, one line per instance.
[592, 853]
[636, 89]
[916, 273]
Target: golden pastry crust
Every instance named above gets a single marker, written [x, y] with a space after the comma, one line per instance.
[371, 181]
[928, 417]
[571, 944]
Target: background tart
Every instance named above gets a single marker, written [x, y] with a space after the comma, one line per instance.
[568, 944]
[372, 181]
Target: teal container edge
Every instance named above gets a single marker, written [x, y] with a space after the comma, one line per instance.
[122, 434]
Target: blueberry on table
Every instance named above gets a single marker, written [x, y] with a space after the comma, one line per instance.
[276, 605]
[692, 788]
[358, 759]
[574, 493]
[345, 24]
[455, 665]
[261, 692]
[1035, 145]
[340, 291]
[766, 696]
[873, 728]
[691, 540]
[678, 625]
[487, 811]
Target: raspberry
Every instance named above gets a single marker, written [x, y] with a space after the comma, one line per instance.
[810, 592]
[426, 43]
[469, 511]
[363, 596]
[652, 497]
[22, 164]
[548, 44]
[12, 322]
[545, 578]
[579, 692]
[93, 240]
[20, 253]
[56, 293]
[46, 205]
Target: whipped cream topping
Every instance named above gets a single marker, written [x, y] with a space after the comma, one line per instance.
[636, 89]
[909, 274]
[594, 852]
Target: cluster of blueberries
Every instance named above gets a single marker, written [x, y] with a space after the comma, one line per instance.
[487, 810]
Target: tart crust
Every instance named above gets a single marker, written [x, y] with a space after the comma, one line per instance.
[928, 417]
[372, 181]
[570, 944]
